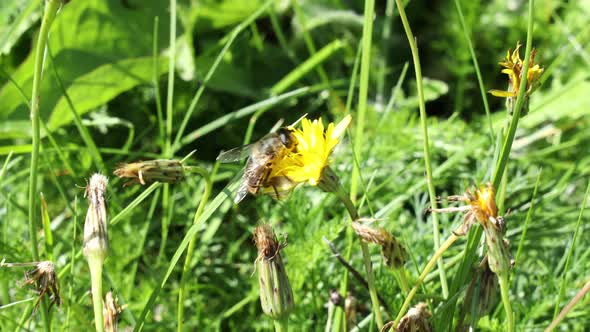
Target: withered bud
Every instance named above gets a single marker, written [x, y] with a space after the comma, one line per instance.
[159, 170]
[393, 253]
[276, 296]
[44, 281]
[96, 242]
[416, 320]
[111, 312]
[350, 308]
[335, 297]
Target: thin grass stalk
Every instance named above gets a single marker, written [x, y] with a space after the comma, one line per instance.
[82, 130]
[484, 97]
[49, 13]
[156, 81]
[171, 72]
[426, 146]
[423, 275]
[369, 12]
[570, 252]
[569, 307]
[182, 291]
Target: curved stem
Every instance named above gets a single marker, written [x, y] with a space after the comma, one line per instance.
[426, 146]
[423, 275]
[504, 290]
[182, 291]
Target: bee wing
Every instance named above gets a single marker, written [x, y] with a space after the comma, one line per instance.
[241, 193]
[235, 154]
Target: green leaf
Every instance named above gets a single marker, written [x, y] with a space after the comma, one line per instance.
[106, 32]
[104, 83]
[16, 17]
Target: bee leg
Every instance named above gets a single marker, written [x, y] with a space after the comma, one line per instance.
[276, 192]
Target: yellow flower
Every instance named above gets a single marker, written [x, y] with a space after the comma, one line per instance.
[313, 147]
[513, 66]
[481, 207]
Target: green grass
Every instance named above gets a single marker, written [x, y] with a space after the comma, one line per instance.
[185, 251]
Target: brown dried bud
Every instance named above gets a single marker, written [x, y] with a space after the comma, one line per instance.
[276, 296]
[416, 320]
[111, 312]
[159, 170]
[44, 281]
[96, 242]
[393, 253]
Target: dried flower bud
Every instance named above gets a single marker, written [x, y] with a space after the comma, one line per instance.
[416, 320]
[44, 281]
[335, 297]
[159, 170]
[350, 308]
[111, 312]
[276, 296]
[96, 242]
[393, 253]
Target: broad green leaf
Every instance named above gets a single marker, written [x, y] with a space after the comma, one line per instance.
[106, 32]
[103, 84]
[16, 17]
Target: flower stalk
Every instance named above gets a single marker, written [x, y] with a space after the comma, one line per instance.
[96, 242]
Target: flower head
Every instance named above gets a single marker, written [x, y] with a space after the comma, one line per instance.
[481, 206]
[276, 296]
[513, 66]
[313, 146]
[44, 280]
[96, 241]
[393, 253]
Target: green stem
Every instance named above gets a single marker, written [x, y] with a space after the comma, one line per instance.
[51, 8]
[282, 325]
[371, 282]
[423, 275]
[363, 90]
[427, 163]
[482, 89]
[507, 146]
[504, 290]
[182, 291]
[403, 279]
[352, 211]
[171, 69]
[95, 264]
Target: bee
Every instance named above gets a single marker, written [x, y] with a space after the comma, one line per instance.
[261, 157]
